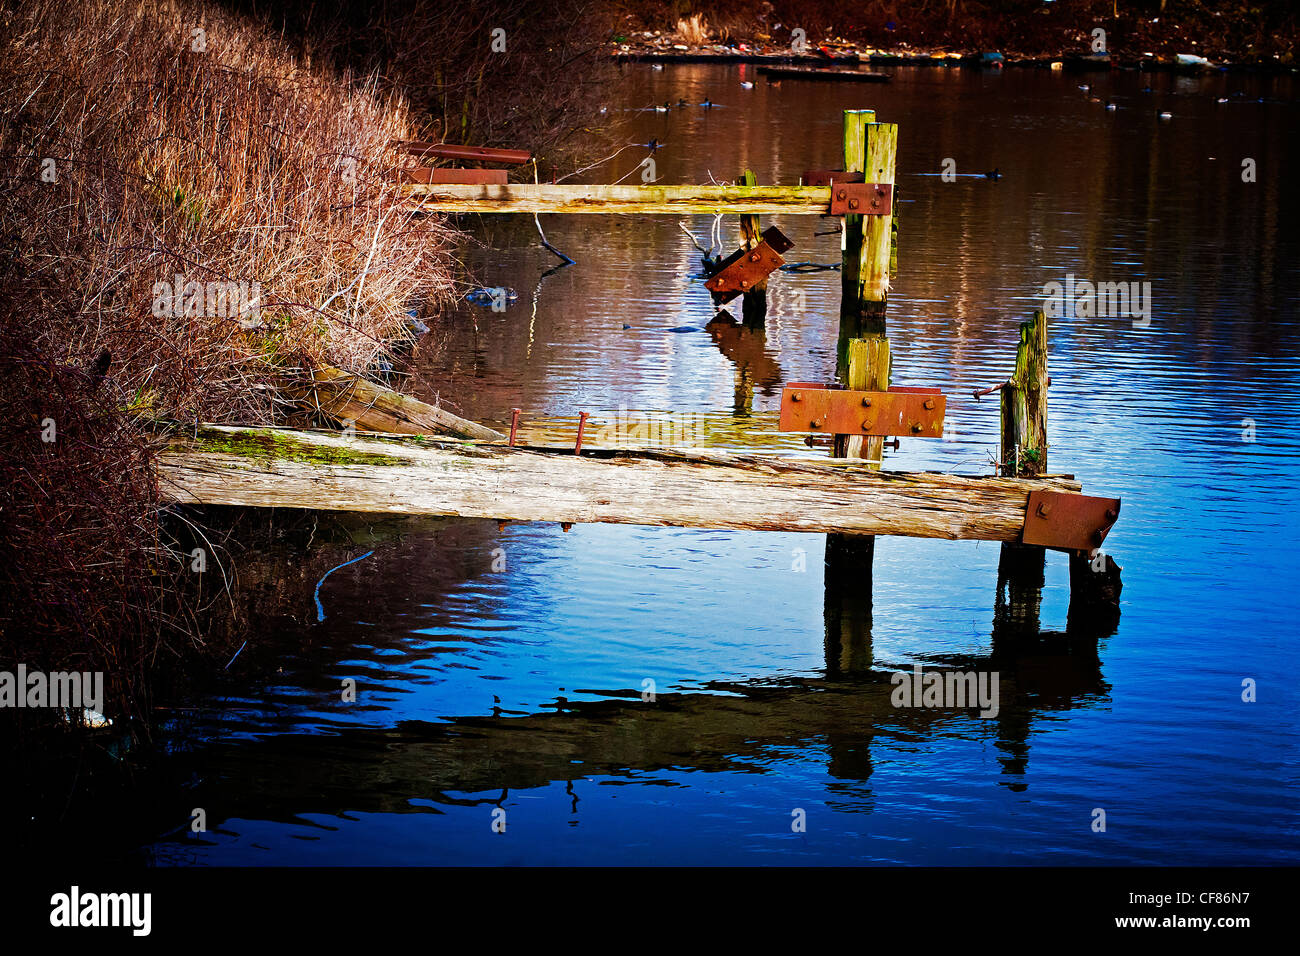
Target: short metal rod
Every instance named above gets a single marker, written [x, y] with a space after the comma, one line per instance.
[514, 423]
[582, 422]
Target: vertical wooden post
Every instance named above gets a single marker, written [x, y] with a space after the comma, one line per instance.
[754, 301]
[866, 368]
[848, 603]
[862, 362]
[1024, 454]
[871, 149]
[1024, 404]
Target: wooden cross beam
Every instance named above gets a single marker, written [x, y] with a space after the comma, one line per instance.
[638, 200]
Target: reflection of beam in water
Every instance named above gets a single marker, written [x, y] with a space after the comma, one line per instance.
[735, 728]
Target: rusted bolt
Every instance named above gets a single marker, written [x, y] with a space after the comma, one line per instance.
[796, 396]
[1044, 509]
[1112, 514]
[582, 422]
[744, 283]
[916, 426]
[816, 423]
[565, 526]
[853, 204]
[514, 423]
[841, 193]
[895, 443]
[753, 257]
[866, 402]
[866, 426]
[929, 403]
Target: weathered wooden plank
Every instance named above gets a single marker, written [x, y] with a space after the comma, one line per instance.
[288, 469]
[349, 399]
[639, 200]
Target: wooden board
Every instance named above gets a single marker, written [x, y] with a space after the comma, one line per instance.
[640, 200]
[288, 469]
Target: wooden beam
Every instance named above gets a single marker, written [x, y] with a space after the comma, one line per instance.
[281, 468]
[354, 401]
[638, 200]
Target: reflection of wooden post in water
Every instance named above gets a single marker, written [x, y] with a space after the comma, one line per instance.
[745, 346]
[754, 301]
[1024, 454]
[862, 363]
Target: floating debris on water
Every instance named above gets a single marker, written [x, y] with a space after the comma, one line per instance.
[485, 297]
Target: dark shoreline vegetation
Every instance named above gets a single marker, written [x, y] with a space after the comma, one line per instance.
[222, 145]
[258, 150]
[1153, 33]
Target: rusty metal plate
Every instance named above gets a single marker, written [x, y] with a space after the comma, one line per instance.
[825, 177]
[842, 411]
[494, 177]
[511, 157]
[746, 268]
[1068, 521]
[862, 199]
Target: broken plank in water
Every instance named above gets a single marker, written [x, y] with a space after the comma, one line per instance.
[280, 468]
[352, 400]
[639, 200]
[775, 73]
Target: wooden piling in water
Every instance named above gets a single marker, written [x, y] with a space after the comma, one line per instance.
[754, 301]
[1024, 404]
[871, 149]
[862, 362]
[1095, 583]
[1023, 451]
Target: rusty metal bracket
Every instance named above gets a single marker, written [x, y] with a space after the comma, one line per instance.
[1066, 521]
[445, 174]
[746, 268]
[915, 412]
[510, 157]
[828, 177]
[862, 199]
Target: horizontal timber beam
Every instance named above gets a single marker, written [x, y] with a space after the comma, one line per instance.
[639, 200]
[281, 468]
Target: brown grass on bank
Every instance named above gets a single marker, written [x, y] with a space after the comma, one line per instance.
[139, 142]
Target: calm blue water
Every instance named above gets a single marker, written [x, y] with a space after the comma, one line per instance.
[519, 687]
